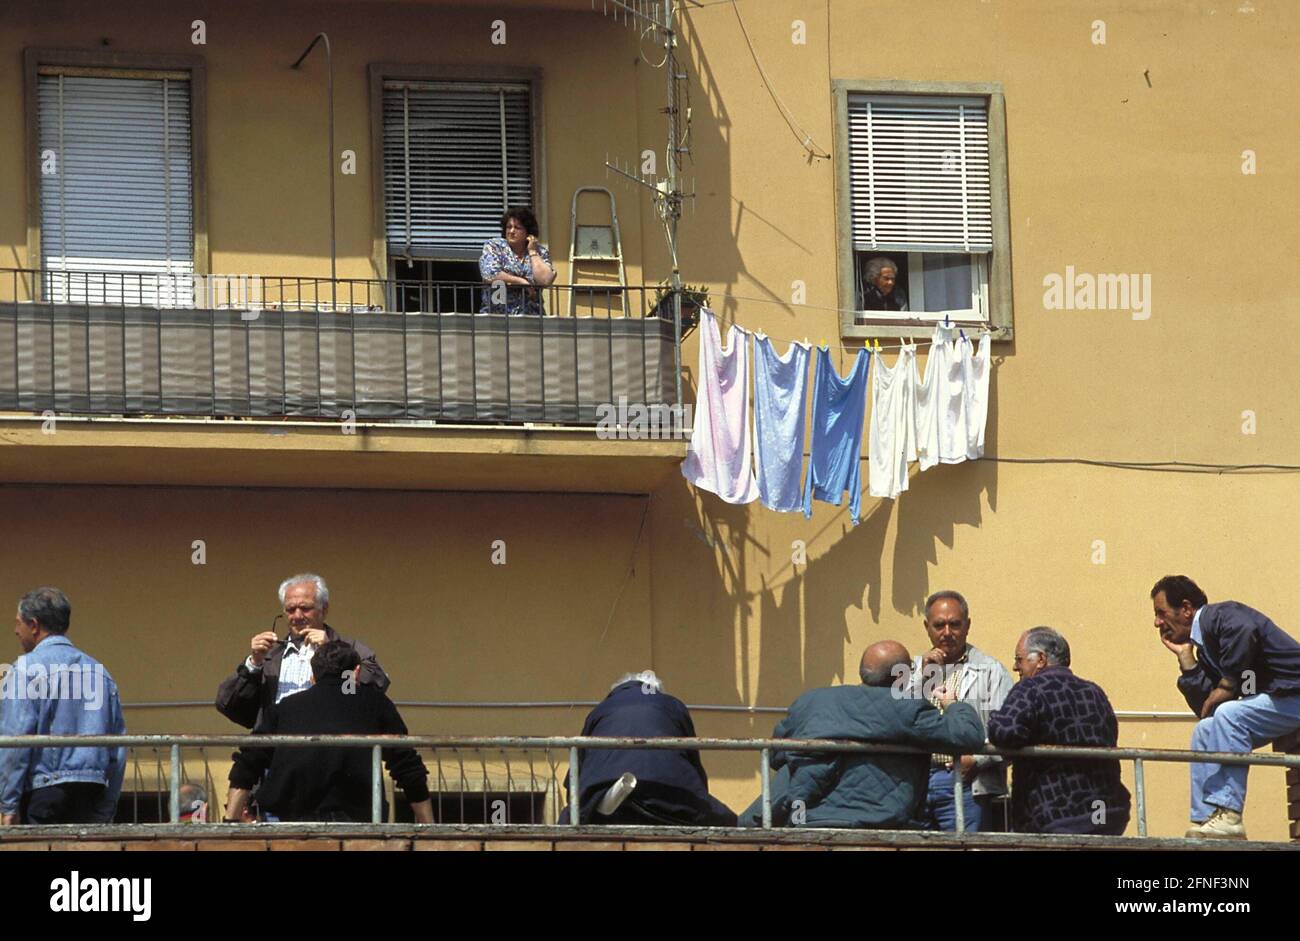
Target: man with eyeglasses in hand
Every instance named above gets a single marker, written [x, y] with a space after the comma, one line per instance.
[277, 668]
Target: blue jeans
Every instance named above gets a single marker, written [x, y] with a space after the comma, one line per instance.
[940, 810]
[1239, 725]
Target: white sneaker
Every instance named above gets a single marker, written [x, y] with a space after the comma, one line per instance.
[1223, 824]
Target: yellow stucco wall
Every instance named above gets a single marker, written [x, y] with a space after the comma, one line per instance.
[1106, 173]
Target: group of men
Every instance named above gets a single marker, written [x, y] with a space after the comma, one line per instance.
[1240, 674]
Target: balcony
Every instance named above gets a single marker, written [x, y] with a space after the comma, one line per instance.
[453, 376]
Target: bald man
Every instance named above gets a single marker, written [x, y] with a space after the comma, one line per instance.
[881, 791]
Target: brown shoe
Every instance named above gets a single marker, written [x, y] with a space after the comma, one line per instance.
[1223, 824]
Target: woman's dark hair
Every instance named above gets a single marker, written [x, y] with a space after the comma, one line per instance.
[1180, 588]
[521, 214]
[334, 659]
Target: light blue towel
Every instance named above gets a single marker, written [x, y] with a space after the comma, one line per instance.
[780, 400]
[839, 412]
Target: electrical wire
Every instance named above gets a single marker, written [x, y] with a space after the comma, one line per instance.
[804, 138]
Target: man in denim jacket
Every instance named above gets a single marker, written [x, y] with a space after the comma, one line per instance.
[55, 689]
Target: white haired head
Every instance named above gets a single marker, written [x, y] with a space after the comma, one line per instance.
[322, 590]
[647, 678]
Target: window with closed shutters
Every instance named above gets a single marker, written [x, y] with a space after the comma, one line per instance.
[456, 154]
[921, 205]
[116, 187]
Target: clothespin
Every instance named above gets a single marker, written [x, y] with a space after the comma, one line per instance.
[945, 321]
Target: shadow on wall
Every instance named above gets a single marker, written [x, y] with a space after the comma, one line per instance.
[937, 501]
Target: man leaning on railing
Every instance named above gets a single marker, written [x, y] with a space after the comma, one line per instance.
[878, 791]
[55, 689]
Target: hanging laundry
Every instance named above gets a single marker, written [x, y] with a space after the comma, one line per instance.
[940, 404]
[892, 436]
[719, 459]
[839, 410]
[975, 371]
[952, 400]
[780, 399]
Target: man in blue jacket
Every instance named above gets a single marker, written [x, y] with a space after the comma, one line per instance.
[1241, 675]
[879, 791]
[55, 689]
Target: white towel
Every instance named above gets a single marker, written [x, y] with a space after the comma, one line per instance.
[976, 370]
[719, 457]
[780, 399]
[893, 424]
[952, 401]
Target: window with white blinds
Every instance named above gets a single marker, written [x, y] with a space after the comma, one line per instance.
[456, 154]
[116, 188]
[919, 174]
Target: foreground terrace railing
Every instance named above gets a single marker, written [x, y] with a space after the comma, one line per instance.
[493, 756]
[130, 343]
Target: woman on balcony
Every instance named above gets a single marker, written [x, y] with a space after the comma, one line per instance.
[515, 266]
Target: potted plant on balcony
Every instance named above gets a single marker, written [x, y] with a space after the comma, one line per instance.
[693, 298]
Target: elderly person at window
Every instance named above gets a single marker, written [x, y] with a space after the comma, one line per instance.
[878, 289]
[515, 266]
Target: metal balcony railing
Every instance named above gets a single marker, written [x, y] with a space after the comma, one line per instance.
[159, 344]
[493, 757]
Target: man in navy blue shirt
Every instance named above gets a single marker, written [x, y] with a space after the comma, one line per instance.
[1241, 675]
[671, 786]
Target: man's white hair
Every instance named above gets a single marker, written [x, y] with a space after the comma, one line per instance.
[646, 678]
[322, 590]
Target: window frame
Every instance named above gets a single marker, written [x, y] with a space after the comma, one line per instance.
[379, 72]
[1000, 307]
[144, 65]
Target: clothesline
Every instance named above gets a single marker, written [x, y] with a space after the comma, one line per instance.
[870, 345]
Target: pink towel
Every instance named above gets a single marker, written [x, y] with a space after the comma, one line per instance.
[720, 459]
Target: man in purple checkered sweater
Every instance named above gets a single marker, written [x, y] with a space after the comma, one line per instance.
[1052, 706]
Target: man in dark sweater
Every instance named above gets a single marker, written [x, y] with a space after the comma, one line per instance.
[1052, 706]
[671, 787]
[322, 783]
[1241, 675]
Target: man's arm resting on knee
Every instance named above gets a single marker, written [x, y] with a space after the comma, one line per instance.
[1226, 691]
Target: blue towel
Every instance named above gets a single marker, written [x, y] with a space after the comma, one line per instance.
[780, 398]
[839, 412]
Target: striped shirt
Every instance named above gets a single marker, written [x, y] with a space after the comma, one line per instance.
[295, 668]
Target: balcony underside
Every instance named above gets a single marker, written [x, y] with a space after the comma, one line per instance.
[243, 453]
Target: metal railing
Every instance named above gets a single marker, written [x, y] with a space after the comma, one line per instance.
[150, 343]
[549, 784]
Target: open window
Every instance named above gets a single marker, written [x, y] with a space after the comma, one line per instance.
[923, 208]
[456, 154]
